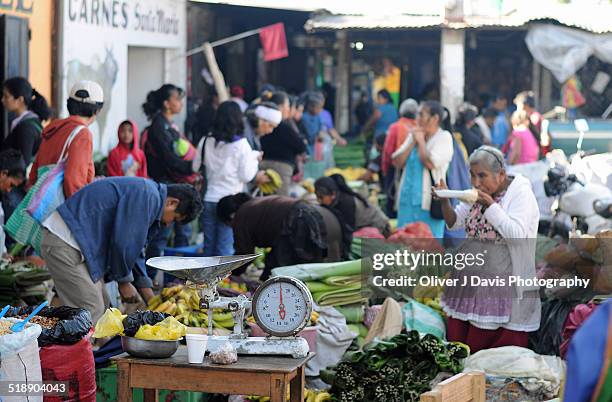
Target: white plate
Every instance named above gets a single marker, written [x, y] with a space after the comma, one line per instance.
[450, 193]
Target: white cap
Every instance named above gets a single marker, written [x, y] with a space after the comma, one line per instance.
[87, 92]
[408, 106]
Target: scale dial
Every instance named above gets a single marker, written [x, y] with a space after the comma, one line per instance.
[282, 306]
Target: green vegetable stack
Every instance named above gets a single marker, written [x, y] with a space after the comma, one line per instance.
[397, 369]
[331, 284]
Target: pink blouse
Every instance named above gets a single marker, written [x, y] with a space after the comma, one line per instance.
[529, 146]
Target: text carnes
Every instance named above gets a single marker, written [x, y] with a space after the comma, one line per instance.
[142, 16]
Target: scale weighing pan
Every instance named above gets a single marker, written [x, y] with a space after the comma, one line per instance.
[201, 269]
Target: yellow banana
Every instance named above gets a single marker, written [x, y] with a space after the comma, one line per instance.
[163, 306]
[172, 291]
[154, 302]
[181, 307]
[310, 395]
[184, 295]
[222, 316]
[276, 179]
[172, 309]
[323, 396]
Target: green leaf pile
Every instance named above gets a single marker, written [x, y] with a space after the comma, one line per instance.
[397, 369]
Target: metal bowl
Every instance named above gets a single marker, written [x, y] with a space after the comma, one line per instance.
[149, 349]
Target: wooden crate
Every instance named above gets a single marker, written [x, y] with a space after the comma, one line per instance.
[465, 387]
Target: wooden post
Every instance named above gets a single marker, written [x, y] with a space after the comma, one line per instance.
[124, 391]
[296, 386]
[343, 89]
[535, 81]
[278, 388]
[452, 69]
[213, 67]
[546, 100]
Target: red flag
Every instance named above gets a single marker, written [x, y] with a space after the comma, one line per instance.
[274, 42]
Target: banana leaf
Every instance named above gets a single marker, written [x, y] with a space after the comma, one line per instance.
[316, 271]
[359, 329]
[319, 287]
[340, 297]
[343, 280]
[353, 314]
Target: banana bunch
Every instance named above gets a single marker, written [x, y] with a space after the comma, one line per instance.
[350, 173]
[184, 304]
[308, 185]
[314, 317]
[238, 287]
[275, 182]
[310, 395]
[434, 303]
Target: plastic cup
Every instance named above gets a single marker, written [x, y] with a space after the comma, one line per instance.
[196, 347]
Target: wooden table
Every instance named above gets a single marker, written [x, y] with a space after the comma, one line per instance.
[250, 375]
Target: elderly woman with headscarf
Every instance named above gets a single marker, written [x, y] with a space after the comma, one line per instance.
[502, 224]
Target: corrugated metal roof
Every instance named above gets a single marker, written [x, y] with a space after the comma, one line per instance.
[596, 20]
[338, 22]
[344, 7]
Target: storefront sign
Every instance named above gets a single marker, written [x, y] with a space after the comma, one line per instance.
[97, 36]
[145, 16]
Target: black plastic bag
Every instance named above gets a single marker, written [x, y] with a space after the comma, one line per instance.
[73, 325]
[135, 320]
[547, 339]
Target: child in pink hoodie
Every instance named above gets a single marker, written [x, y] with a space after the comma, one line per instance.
[127, 159]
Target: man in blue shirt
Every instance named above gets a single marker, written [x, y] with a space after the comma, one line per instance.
[501, 127]
[100, 233]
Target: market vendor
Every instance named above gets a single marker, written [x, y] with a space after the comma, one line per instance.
[505, 216]
[296, 231]
[12, 175]
[101, 231]
[350, 207]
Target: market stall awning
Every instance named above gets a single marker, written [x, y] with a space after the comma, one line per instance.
[340, 22]
[596, 20]
[343, 7]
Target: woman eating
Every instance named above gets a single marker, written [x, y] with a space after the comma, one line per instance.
[504, 219]
[426, 155]
[352, 208]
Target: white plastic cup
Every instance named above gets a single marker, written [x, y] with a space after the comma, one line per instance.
[196, 347]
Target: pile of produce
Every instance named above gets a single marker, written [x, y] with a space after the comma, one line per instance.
[399, 368]
[146, 325]
[355, 315]
[310, 395]
[273, 185]
[44, 322]
[331, 284]
[416, 236]
[350, 155]
[5, 327]
[183, 303]
[349, 173]
[22, 280]
[61, 325]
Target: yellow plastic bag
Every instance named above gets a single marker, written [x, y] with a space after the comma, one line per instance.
[110, 324]
[168, 330]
